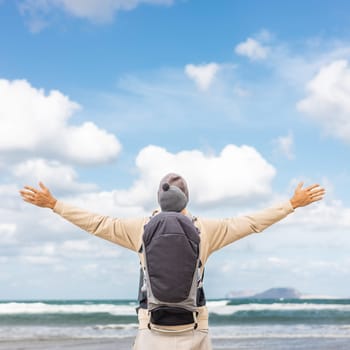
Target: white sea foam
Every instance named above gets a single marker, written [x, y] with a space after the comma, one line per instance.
[116, 326]
[62, 333]
[219, 307]
[284, 336]
[217, 332]
[280, 331]
[43, 308]
[232, 309]
[217, 303]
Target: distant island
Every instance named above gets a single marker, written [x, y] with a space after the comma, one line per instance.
[272, 293]
[275, 293]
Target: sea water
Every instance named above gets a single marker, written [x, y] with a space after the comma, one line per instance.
[234, 324]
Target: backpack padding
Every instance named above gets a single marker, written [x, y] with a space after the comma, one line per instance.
[171, 244]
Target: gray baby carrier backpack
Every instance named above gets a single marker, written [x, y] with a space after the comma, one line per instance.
[170, 280]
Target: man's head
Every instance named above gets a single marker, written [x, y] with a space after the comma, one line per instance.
[173, 193]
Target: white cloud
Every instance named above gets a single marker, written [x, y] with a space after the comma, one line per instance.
[7, 233]
[264, 35]
[237, 173]
[7, 195]
[53, 174]
[285, 145]
[325, 216]
[94, 10]
[78, 246]
[103, 9]
[252, 49]
[241, 92]
[277, 261]
[87, 143]
[39, 260]
[94, 201]
[34, 123]
[89, 248]
[328, 102]
[48, 249]
[203, 75]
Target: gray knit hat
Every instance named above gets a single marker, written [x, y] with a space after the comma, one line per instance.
[172, 193]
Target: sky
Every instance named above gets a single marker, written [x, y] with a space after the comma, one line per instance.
[101, 98]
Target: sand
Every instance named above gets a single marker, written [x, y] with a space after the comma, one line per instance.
[83, 344]
[218, 344]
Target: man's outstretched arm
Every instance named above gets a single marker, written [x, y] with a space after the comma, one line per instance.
[124, 232]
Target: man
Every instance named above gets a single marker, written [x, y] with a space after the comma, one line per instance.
[214, 235]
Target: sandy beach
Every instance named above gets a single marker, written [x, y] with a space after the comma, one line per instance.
[81, 344]
[237, 344]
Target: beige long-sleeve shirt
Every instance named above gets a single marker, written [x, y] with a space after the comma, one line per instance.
[215, 234]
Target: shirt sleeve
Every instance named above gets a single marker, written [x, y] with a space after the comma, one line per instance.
[220, 233]
[124, 232]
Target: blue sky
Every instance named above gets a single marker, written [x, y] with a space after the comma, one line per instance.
[99, 99]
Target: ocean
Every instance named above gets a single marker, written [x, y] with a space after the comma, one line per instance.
[234, 324]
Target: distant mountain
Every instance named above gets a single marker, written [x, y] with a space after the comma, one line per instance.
[272, 293]
[278, 293]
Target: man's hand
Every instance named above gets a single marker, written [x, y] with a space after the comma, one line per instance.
[307, 195]
[41, 198]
